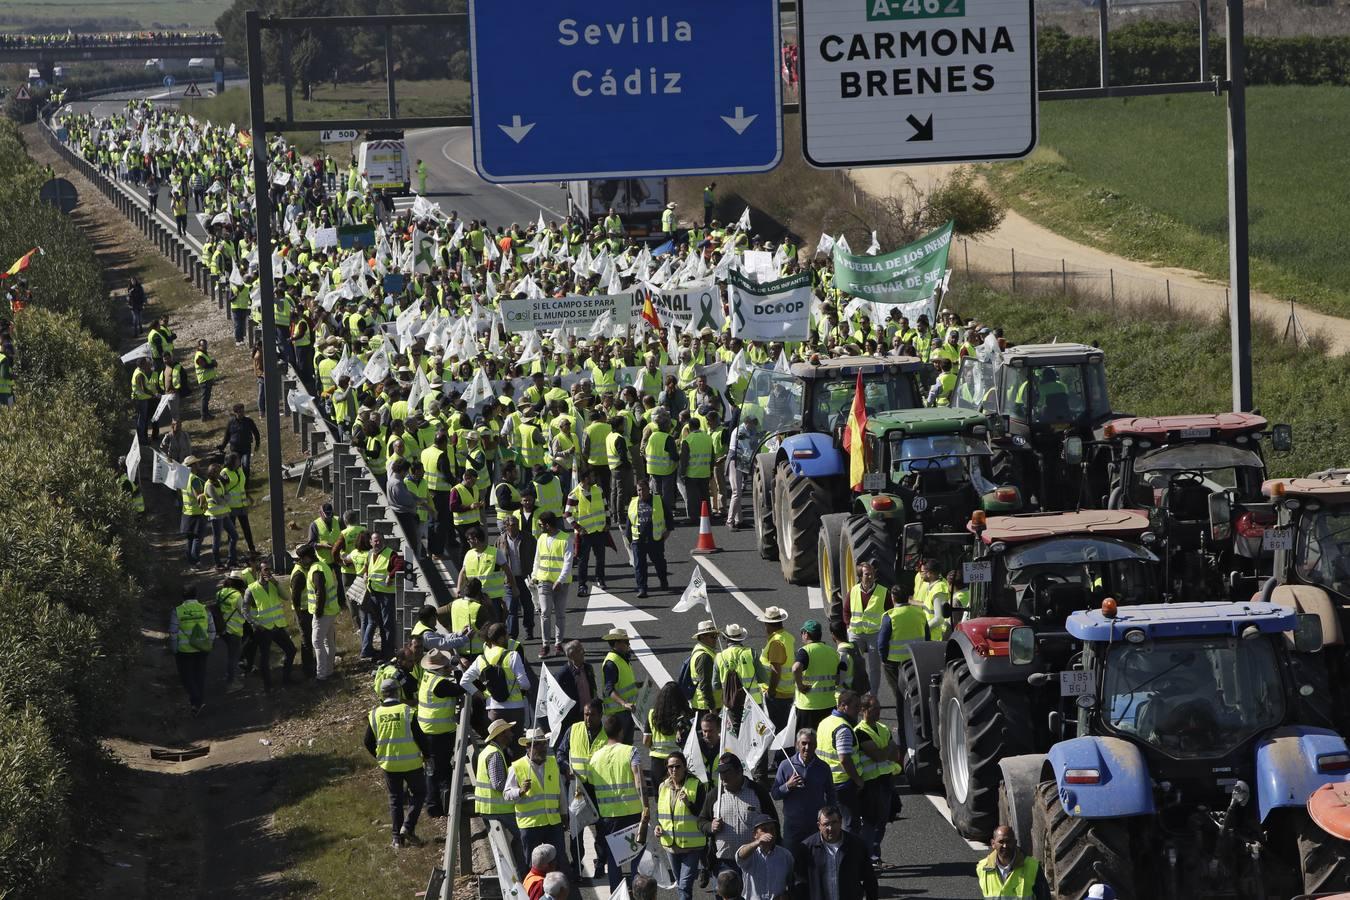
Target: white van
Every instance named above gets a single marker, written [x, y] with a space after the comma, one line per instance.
[383, 164]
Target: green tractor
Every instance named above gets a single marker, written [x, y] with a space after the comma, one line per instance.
[800, 472]
[926, 471]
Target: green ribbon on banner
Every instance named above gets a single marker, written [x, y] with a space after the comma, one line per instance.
[902, 276]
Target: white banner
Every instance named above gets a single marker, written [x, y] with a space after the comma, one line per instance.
[776, 311]
[356, 591]
[163, 406]
[699, 304]
[324, 238]
[141, 352]
[134, 459]
[573, 311]
[623, 844]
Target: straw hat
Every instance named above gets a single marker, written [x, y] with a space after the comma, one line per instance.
[191, 461]
[774, 614]
[617, 634]
[437, 661]
[734, 633]
[534, 736]
[707, 626]
[499, 727]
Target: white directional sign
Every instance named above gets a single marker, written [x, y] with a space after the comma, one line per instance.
[337, 136]
[889, 82]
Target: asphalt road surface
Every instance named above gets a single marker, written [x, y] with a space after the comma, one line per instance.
[932, 860]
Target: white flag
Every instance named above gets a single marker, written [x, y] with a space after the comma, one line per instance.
[757, 733]
[693, 754]
[141, 352]
[540, 227]
[159, 468]
[480, 390]
[740, 367]
[825, 244]
[377, 368]
[782, 365]
[787, 738]
[556, 704]
[163, 406]
[743, 223]
[696, 594]
[420, 388]
[673, 344]
[875, 247]
[134, 459]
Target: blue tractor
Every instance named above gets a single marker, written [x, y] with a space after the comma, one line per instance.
[1183, 769]
[799, 473]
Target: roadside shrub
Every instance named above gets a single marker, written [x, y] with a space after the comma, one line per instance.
[35, 816]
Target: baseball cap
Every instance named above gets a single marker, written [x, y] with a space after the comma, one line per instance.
[1101, 892]
[812, 627]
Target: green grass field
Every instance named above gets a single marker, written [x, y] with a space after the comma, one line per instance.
[440, 97]
[1146, 177]
[16, 15]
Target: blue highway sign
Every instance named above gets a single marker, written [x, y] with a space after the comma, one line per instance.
[576, 89]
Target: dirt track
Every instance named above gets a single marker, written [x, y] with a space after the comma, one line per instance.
[1050, 258]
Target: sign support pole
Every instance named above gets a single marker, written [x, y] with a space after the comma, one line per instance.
[1239, 267]
[263, 219]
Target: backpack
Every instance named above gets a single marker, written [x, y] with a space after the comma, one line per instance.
[685, 679]
[199, 638]
[494, 676]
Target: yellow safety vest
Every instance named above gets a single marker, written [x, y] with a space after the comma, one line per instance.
[268, 611]
[191, 616]
[786, 688]
[700, 701]
[658, 519]
[590, 515]
[328, 534]
[1021, 880]
[678, 820]
[378, 577]
[700, 454]
[879, 734]
[742, 660]
[468, 499]
[486, 800]
[663, 743]
[435, 714]
[611, 775]
[865, 616]
[395, 748]
[229, 600]
[597, 443]
[190, 494]
[659, 460]
[482, 564]
[330, 593]
[909, 624]
[827, 752]
[549, 553]
[820, 676]
[503, 514]
[496, 656]
[548, 497]
[431, 462]
[581, 747]
[613, 457]
[542, 805]
[625, 687]
[527, 442]
[464, 614]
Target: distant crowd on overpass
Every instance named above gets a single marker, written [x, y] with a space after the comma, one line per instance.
[107, 39]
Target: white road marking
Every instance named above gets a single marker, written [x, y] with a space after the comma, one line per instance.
[940, 804]
[815, 598]
[605, 610]
[446, 153]
[713, 570]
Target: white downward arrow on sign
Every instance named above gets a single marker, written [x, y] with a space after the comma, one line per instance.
[607, 611]
[516, 131]
[740, 121]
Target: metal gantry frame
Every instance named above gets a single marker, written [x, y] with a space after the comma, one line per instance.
[1234, 85]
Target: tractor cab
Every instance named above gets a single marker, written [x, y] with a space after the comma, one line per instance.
[1050, 398]
[1311, 539]
[1042, 567]
[1200, 477]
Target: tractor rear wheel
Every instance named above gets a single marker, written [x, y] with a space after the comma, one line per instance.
[828, 560]
[866, 540]
[921, 755]
[798, 504]
[1077, 853]
[1324, 860]
[980, 724]
[761, 499]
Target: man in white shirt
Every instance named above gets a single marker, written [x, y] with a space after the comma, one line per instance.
[512, 706]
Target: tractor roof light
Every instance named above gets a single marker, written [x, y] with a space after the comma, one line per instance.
[1004, 495]
[815, 359]
[1109, 607]
[1277, 488]
[1135, 635]
[978, 519]
[881, 504]
[1109, 431]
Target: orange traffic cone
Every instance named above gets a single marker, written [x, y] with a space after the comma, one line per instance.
[705, 544]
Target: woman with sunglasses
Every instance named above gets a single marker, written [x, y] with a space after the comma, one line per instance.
[677, 806]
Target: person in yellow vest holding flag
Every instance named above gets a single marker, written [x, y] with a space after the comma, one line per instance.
[396, 741]
[616, 775]
[866, 603]
[192, 633]
[696, 458]
[703, 668]
[679, 799]
[737, 673]
[1008, 872]
[534, 785]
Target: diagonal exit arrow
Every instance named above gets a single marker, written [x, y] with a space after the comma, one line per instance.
[605, 610]
[923, 128]
[516, 131]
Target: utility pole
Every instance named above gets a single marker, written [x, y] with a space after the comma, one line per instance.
[1239, 268]
[263, 217]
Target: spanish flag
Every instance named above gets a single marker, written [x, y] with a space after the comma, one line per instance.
[853, 437]
[20, 264]
[649, 313]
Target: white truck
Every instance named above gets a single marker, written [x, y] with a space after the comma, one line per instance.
[639, 202]
[382, 160]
